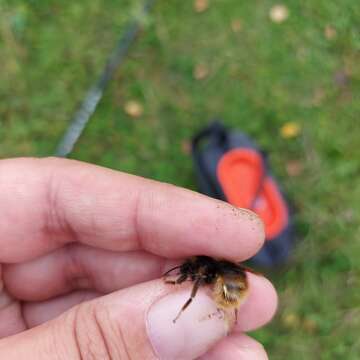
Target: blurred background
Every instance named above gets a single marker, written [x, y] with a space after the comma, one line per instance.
[287, 74]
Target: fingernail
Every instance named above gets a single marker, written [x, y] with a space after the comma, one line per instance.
[197, 329]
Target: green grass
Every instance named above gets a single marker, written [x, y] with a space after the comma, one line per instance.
[259, 79]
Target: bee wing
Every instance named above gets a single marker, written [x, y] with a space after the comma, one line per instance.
[249, 269]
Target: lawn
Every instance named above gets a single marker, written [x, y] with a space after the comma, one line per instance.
[231, 59]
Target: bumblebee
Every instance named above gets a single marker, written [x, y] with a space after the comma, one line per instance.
[228, 281]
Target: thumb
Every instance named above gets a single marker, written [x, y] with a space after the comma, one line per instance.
[134, 323]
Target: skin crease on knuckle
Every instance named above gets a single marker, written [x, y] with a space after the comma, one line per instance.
[94, 334]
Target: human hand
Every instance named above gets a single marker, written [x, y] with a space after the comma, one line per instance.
[82, 251]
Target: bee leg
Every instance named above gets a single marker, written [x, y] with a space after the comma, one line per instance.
[236, 315]
[179, 280]
[172, 269]
[193, 293]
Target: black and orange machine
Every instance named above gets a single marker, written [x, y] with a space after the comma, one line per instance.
[231, 167]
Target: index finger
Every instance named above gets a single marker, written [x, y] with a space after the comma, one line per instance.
[47, 203]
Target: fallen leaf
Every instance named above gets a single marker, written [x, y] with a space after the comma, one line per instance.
[201, 71]
[279, 13]
[201, 5]
[294, 168]
[329, 32]
[186, 147]
[310, 326]
[236, 25]
[291, 320]
[133, 108]
[290, 130]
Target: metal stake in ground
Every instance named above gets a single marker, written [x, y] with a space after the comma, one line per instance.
[95, 93]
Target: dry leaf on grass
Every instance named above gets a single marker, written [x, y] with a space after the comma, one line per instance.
[201, 71]
[279, 13]
[236, 25]
[186, 147]
[329, 32]
[309, 326]
[290, 130]
[133, 108]
[294, 168]
[291, 320]
[201, 5]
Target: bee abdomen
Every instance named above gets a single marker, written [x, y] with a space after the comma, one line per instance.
[229, 294]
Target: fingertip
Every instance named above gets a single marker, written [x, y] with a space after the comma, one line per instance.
[236, 346]
[253, 232]
[260, 305]
[237, 233]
